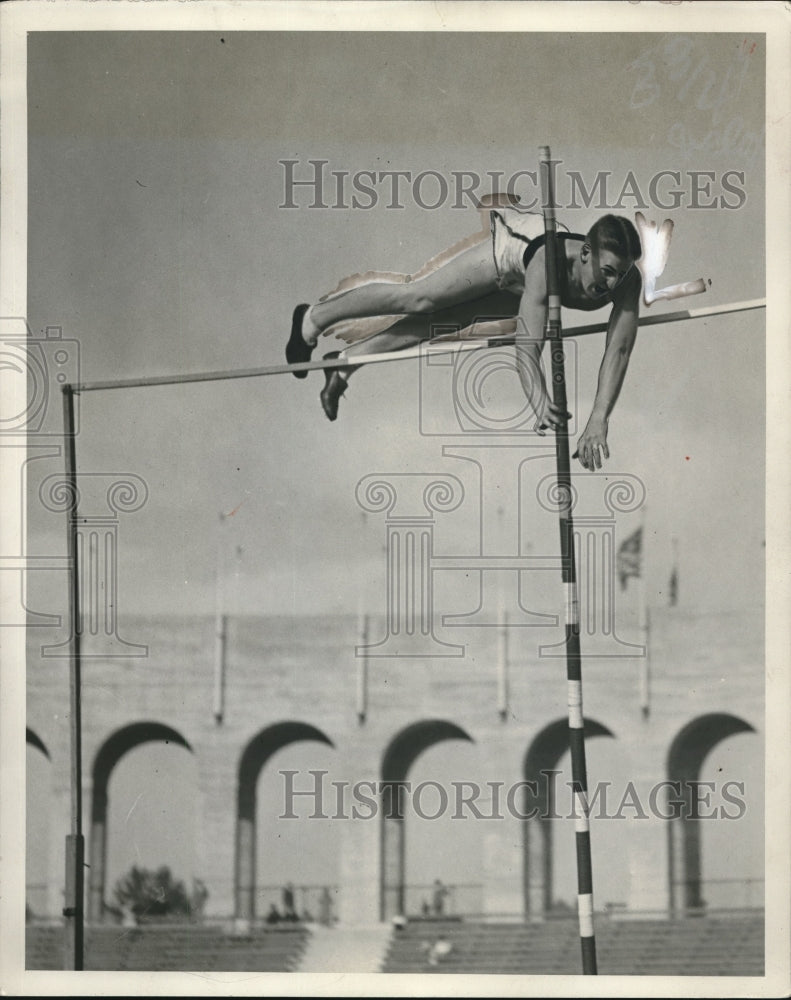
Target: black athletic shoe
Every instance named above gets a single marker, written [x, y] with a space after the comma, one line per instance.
[334, 387]
[296, 348]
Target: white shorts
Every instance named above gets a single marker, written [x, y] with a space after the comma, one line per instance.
[513, 230]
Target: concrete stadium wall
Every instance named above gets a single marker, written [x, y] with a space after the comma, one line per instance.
[304, 671]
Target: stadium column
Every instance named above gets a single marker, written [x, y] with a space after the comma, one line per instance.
[392, 888]
[502, 847]
[358, 902]
[97, 858]
[647, 862]
[217, 748]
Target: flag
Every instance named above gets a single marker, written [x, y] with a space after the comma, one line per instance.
[630, 556]
[673, 588]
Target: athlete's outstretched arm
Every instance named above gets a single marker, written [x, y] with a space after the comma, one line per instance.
[530, 335]
[621, 335]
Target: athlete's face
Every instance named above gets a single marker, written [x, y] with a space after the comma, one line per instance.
[601, 271]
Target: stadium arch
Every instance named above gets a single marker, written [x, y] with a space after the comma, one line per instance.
[254, 758]
[685, 759]
[38, 798]
[402, 751]
[35, 741]
[107, 757]
[541, 760]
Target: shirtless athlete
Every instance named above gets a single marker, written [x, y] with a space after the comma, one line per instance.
[504, 268]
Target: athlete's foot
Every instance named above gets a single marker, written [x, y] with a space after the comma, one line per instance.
[335, 385]
[297, 348]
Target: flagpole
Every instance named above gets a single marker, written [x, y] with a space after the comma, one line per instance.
[673, 588]
[361, 653]
[361, 702]
[220, 627]
[502, 663]
[502, 641]
[644, 621]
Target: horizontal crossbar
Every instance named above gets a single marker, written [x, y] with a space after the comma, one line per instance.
[421, 350]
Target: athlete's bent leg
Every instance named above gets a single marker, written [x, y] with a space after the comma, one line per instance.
[498, 308]
[470, 274]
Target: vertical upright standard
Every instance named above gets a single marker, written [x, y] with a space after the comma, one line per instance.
[579, 778]
[73, 910]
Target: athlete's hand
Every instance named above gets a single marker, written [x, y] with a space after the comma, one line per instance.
[593, 444]
[552, 418]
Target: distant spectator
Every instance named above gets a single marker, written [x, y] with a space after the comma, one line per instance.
[437, 951]
[325, 907]
[240, 928]
[199, 896]
[425, 909]
[698, 909]
[289, 910]
[442, 948]
[273, 917]
[438, 899]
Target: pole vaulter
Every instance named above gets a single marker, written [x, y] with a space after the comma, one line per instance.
[335, 366]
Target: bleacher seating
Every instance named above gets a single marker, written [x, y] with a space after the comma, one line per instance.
[171, 947]
[711, 945]
[731, 945]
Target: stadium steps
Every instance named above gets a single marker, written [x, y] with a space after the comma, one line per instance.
[727, 946]
[345, 949]
[170, 947]
[44, 947]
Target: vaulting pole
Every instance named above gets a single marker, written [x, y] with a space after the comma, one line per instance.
[579, 778]
[73, 910]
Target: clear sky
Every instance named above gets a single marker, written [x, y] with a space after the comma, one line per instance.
[156, 240]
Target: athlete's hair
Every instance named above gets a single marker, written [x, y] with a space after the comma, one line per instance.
[616, 234]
